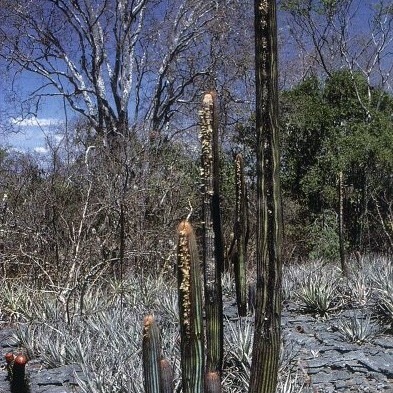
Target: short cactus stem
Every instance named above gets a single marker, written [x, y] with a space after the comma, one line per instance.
[19, 382]
[167, 380]
[213, 382]
[9, 358]
[20, 362]
[151, 348]
[190, 310]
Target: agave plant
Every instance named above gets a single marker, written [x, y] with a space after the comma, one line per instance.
[382, 282]
[319, 294]
[238, 355]
[385, 306]
[359, 288]
[292, 383]
[358, 329]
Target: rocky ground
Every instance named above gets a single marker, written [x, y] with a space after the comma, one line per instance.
[41, 380]
[324, 358]
[327, 361]
[331, 363]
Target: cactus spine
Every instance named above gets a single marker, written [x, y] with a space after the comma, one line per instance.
[190, 310]
[267, 337]
[240, 237]
[212, 235]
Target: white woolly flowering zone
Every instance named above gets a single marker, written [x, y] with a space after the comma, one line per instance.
[185, 284]
[206, 133]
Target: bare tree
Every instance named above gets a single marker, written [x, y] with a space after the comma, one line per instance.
[108, 59]
[354, 34]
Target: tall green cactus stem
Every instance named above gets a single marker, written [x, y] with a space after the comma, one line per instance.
[210, 171]
[267, 336]
[151, 353]
[344, 266]
[212, 245]
[240, 237]
[190, 310]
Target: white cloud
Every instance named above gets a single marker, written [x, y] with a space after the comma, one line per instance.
[58, 137]
[36, 122]
[41, 150]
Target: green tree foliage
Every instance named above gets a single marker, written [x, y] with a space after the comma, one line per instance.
[340, 124]
[337, 124]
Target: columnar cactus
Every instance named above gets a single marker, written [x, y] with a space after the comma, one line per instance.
[213, 382]
[212, 236]
[344, 266]
[157, 371]
[267, 336]
[167, 385]
[240, 237]
[151, 353]
[190, 310]
[16, 366]
[9, 358]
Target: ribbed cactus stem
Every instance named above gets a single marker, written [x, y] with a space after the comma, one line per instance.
[19, 383]
[212, 244]
[210, 170]
[167, 377]
[341, 236]
[267, 335]
[190, 310]
[240, 234]
[9, 358]
[151, 353]
[213, 382]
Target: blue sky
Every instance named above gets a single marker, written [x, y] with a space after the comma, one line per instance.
[32, 131]
[29, 132]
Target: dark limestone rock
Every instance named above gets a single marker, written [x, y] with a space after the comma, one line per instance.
[58, 380]
[381, 363]
[7, 339]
